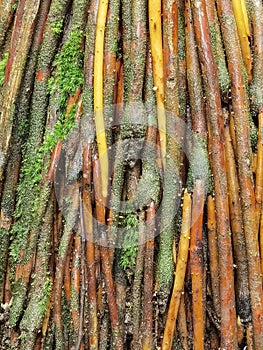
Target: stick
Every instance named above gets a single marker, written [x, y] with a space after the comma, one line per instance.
[215, 126]
[196, 264]
[182, 324]
[20, 45]
[217, 47]
[6, 16]
[155, 25]
[98, 94]
[244, 166]
[170, 55]
[87, 218]
[75, 290]
[213, 253]
[147, 318]
[105, 259]
[259, 172]
[60, 267]
[239, 244]
[256, 89]
[241, 17]
[179, 274]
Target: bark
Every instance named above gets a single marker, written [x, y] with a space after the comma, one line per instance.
[215, 127]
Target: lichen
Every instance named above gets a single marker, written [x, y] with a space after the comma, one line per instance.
[170, 202]
[216, 41]
[199, 167]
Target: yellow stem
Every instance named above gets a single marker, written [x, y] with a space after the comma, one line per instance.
[98, 95]
[183, 252]
[241, 17]
[155, 25]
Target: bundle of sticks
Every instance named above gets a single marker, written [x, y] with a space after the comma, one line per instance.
[131, 174]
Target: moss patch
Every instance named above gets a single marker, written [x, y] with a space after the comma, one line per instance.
[3, 63]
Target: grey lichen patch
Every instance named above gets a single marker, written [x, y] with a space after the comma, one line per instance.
[256, 93]
[181, 36]
[4, 239]
[165, 264]
[148, 187]
[219, 55]
[199, 168]
[56, 16]
[79, 13]
[18, 291]
[170, 202]
[34, 314]
[133, 123]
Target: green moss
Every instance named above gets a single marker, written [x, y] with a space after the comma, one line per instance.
[56, 27]
[130, 241]
[14, 7]
[45, 294]
[68, 65]
[67, 78]
[3, 63]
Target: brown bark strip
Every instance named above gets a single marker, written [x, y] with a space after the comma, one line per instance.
[147, 318]
[75, 288]
[239, 244]
[65, 244]
[256, 88]
[136, 287]
[196, 264]
[7, 12]
[244, 165]
[217, 47]
[213, 253]
[216, 132]
[90, 247]
[54, 162]
[67, 275]
[170, 55]
[105, 258]
[259, 170]
[194, 79]
[15, 38]
[21, 40]
[6, 16]
[182, 324]
[110, 64]
[180, 271]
